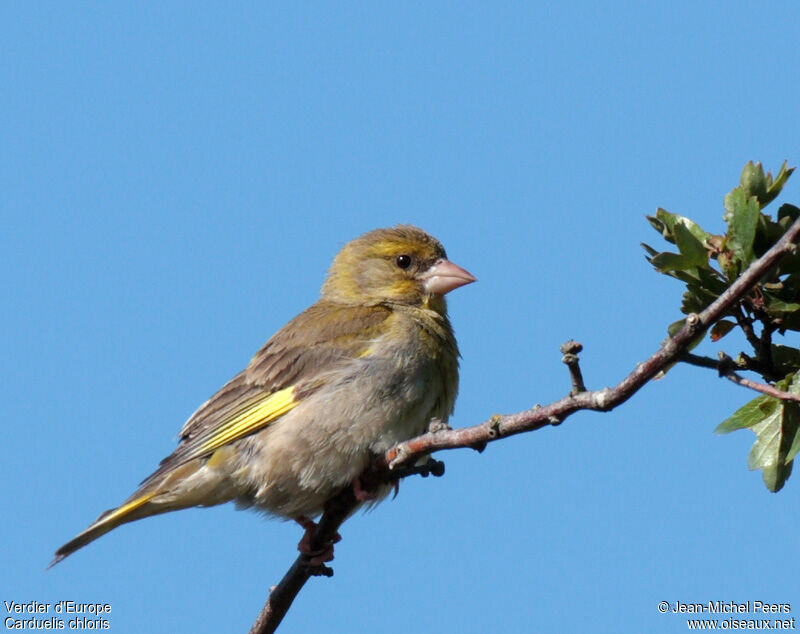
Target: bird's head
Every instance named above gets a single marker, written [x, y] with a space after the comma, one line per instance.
[402, 265]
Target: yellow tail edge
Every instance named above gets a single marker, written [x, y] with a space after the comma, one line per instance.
[108, 521]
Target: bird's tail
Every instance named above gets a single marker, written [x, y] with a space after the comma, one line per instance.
[152, 498]
[137, 507]
[199, 482]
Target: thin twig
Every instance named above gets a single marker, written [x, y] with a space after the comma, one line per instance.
[746, 324]
[570, 350]
[726, 366]
[500, 426]
[764, 388]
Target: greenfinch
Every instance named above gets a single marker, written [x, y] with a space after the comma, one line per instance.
[367, 366]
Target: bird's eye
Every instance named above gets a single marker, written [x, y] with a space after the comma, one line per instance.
[403, 261]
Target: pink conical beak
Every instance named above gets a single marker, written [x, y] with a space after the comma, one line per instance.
[444, 276]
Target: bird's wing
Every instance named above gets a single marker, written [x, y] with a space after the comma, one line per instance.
[289, 367]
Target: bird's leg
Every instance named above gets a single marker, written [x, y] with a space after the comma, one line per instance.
[362, 495]
[316, 557]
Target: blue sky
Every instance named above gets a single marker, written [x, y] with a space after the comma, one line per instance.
[174, 181]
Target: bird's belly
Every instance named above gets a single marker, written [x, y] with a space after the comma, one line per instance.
[296, 464]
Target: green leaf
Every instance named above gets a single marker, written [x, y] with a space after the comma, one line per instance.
[756, 183]
[696, 298]
[782, 300]
[665, 222]
[767, 234]
[741, 214]
[711, 282]
[793, 449]
[749, 414]
[753, 181]
[776, 186]
[689, 246]
[785, 358]
[668, 221]
[776, 424]
[689, 276]
[788, 265]
[778, 308]
[775, 437]
[667, 261]
[650, 250]
[791, 322]
[675, 327]
[788, 211]
[659, 226]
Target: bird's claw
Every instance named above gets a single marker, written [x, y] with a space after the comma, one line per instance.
[316, 557]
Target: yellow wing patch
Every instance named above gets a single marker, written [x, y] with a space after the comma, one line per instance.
[252, 418]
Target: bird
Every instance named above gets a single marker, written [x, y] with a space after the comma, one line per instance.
[370, 364]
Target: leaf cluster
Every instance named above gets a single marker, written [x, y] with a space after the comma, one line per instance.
[708, 264]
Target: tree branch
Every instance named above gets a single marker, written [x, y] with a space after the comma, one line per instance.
[391, 467]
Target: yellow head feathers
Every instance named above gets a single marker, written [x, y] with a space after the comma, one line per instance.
[402, 265]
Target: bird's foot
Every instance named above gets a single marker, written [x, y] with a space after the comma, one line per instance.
[362, 495]
[316, 557]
